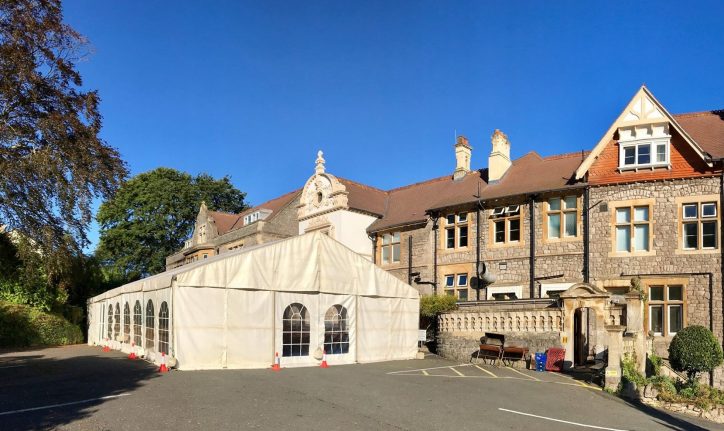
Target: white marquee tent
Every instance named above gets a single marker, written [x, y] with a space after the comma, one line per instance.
[236, 310]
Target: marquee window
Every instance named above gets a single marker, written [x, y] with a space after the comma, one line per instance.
[562, 215]
[163, 328]
[295, 331]
[633, 228]
[506, 225]
[699, 226]
[109, 329]
[390, 251]
[137, 322]
[117, 325]
[336, 331]
[126, 323]
[456, 230]
[149, 325]
[666, 309]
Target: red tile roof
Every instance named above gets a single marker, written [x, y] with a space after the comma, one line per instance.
[706, 128]
[223, 221]
[226, 222]
[365, 198]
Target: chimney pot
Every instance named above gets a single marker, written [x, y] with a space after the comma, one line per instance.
[499, 159]
[463, 153]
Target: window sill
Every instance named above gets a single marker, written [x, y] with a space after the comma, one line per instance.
[648, 167]
[505, 244]
[632, 254]
[697, 251]
[564, 239]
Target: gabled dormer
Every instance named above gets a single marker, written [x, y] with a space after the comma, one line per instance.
[644, 143]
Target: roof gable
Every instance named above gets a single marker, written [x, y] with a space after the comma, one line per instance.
[642, 109]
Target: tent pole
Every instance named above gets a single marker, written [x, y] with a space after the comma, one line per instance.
[274, 326]
[356, 325]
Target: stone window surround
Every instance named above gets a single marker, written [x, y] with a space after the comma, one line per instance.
[456, 225]
[683, 282]
[491, 227]
[545, 210]
[381, 245]
[456, 286]
[494, 290]
[547, 287]
[680, 201]
[612, 206]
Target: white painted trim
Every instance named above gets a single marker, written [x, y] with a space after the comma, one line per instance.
[518, 290]
[545, 287]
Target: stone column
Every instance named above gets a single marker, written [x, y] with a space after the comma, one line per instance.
[615, 352]
[635, 327]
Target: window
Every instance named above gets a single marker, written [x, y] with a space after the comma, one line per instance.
[666, 309]
[109, 329]
[562, 217]
[501, 293]
[699, 225]
[633, 228]
[206, 255]
[456, 230]
[295, 331]
[137, 323]
[457, 285]
[506, 225]
[390, 248]
[126, 323]
[336, 332]
[117, 325]
[163, 328]
[644, 154]
[149, 325]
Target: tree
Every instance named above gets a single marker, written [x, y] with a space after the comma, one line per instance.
[52, 162]
[695, 349]
[152, 214]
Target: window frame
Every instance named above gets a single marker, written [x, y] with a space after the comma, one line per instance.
[561, 212]
[699, 203]
[665, 304]
[150, 327]
[336, 340]
[455, 288]
[653, 144]
[390, 248]
[456, 227]
[163, 328]
[126, 323]
[305, 322]
[506, 215]
[137, 323]
[631, 224]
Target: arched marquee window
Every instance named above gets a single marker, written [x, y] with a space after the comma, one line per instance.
[163, 328]
[295, 331]
[126, 323]
[137, 322]
[336, 331]
[117, 325]
[149, 325]
[109, 328]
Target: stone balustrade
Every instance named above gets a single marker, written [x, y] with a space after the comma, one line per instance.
[494, 320]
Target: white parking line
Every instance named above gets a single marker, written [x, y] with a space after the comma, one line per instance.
[458, 372]
[484, 370]
[560, 420]
[63, 404]
[524, 374]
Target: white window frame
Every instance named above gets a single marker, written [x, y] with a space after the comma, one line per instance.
[653, 144]
[556, 287]
[495, 290]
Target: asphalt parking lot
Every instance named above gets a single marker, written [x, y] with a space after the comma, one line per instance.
[83, 388]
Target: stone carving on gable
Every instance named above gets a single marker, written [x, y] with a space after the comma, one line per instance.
[322, 193]
[643, 109]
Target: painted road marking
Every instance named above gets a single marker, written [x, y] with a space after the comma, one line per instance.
[32, 409]
[523, 374]
[426, 369]
[484, 370]
[560, 420]
[457, 372]
[576, 382]
[425, 372]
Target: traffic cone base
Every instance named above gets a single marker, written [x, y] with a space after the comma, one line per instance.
[163, 368]
[276, 365]
[324, 360]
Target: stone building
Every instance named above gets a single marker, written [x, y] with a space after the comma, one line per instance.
[643, 204]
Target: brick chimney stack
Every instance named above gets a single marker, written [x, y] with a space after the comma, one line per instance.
[463, 152]
[499, 159]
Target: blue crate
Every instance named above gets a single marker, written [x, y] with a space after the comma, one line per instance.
[540, 361]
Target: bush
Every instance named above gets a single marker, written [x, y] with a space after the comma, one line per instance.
[22, 326]
[432, 305]
[693, 350]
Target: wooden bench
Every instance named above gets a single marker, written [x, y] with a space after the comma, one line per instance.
[491, 347]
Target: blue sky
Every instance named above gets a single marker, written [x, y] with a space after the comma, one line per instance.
[254, 89]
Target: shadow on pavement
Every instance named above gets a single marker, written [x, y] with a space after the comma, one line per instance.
[87, 374]
[669, 420]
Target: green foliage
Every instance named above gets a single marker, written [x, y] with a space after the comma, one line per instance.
[638, 288]
[693, 350]
[53, 163]
[653, 365]
[153, 214]
[630, 373]
[432, 305]
[664, 384]
[22, 326]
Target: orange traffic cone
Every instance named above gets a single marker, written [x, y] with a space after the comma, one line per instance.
[163, 368]
[276, 366]
[324, 360]
[106, 348]
[132, 355]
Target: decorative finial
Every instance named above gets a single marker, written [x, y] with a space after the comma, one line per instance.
[319, 169]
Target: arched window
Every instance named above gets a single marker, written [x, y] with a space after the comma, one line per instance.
[295, 331]
[149, 325]
[137, 322]
[163, 328]
[336, 331]
[109, 328]
[117, 325]
[126, 323]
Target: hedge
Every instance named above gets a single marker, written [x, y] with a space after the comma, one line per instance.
[23, 326]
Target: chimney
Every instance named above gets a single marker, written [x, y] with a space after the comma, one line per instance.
[499, 159]
[463, 151]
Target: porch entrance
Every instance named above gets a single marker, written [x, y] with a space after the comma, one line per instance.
[582, 331]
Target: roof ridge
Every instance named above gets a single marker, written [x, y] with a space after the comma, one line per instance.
[224, 213]
[272, 199]
[700, 113]
[584, 153]
[361, 184]
[430, 181]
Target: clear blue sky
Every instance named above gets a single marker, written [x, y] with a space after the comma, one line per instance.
[254, 89]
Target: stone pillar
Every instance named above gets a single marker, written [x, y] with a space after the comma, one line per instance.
[635, 328]
[615, 352]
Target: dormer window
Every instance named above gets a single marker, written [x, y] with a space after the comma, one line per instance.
[645, 146]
